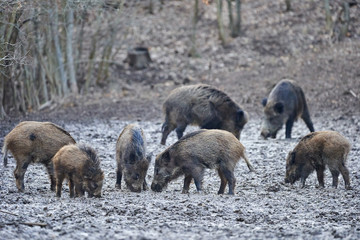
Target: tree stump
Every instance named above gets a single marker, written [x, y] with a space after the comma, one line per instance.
[139, 57]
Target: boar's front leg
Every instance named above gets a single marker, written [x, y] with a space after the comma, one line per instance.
[180, 130]
[59, 181]
[187, 181]
[145, 185]
[335, 177]
[79, 190]
[198, 174]
[50, 170]
[166, 130]
[289, 125]
[118, 177]
[223, 182]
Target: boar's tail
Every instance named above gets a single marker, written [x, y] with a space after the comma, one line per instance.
[248, 164]
[5, 152]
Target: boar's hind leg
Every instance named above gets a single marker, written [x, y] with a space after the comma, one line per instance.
[320, 175]
[187, 181]
[223, 182]
[19, 172]
[50, 170]
[335, 177]
[345, 173]
[229, 175]
[289, 125]
[71, 186]
[306, 117]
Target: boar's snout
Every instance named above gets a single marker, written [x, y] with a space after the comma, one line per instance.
[156, 187]
[265, 134]
[290, 179]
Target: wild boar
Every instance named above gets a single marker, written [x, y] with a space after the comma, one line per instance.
[34, 142]
[81, 166]
[214, 149]
[285, 104]
[131, 159]
[202, 105]
[315, 151]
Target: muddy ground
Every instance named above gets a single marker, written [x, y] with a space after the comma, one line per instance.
[274, 45]
[262, 207]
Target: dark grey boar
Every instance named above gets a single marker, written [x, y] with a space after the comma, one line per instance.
[81, 166]
[315, 151]
[34, 142]
[285, 104]
[131, 159]
[214, 149]
[201, 105]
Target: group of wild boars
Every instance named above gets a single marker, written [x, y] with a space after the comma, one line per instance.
[34, 142]
[315, 151]
[131, 158]
[81, 166]
[285, 104]
[202, 105]
[214, 149]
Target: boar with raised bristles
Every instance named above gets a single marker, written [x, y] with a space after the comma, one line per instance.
[214, 149]
[131, 159]
[202, 105]
[34, 142]
[315, 151]
[81, 166]
[285, 104]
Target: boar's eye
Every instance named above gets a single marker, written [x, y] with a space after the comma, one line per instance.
[136, 177]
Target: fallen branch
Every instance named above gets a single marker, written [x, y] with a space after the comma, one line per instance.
[31, 224]
[9, 213]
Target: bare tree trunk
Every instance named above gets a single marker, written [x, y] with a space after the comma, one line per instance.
[328, 18]
[69, 50]
[288, 5]
[193, 51]
[238, 17]
[40, 71]
[59, 56]
[220, 21]
[80, 37]
[231, 21]
[9, 30]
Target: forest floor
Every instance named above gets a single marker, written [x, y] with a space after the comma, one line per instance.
[274, 45]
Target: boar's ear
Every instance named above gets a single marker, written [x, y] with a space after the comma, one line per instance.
[240, 115]
[131, 159]
[166, 156]
[293, 155]
[279, 107]
[264, 102]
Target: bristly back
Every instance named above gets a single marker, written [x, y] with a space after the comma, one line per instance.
[219, 95]
[61, 129]
[189, 135]
[91, 154]
[308, 137]
[138, 142]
